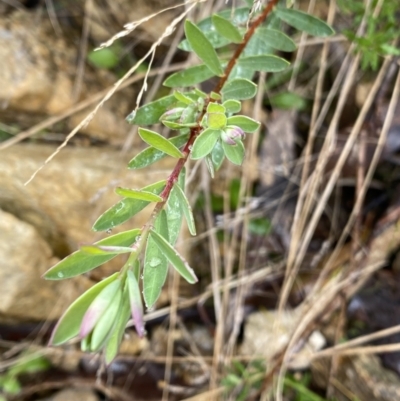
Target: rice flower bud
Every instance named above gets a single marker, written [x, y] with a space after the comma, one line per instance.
[232, 134]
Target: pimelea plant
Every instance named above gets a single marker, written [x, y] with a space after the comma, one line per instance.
[207, 127]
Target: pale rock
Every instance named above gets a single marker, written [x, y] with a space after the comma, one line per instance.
[75, 394]
[39, 78]
[71, 192]
[268, 332]
[24, 257]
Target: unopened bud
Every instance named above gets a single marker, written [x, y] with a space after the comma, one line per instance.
[173, 114]
[232, 134]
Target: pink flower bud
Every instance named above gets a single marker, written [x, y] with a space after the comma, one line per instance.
[235, 132]
[232, 134]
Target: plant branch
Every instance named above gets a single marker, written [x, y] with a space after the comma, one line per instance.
[194, 132]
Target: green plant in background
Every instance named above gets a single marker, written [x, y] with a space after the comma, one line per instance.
[207, 128]
[243, 380]
[26, 363]
[382, 32]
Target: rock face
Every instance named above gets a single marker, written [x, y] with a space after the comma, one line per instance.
[25, 256]
[52, 216]
[39, 79]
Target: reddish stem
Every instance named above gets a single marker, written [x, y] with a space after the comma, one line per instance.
[195, 131]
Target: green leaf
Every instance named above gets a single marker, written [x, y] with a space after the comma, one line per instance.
[203, 48]
[135, 299]
[276, 39]
[151, 155]
[70, 322]
[183, 98]
[105, 250]
[125, 209]
[189, 76]
[186, 209]
[113, 343]
[247, 124]
[212, 36]
[225, 28]
[267, 63]
[304, 22]
[155, 263]
[98, 307]
[239, 89]
[177, 126]
[11, 385]
[216, 120]
[159, 142]
[205, 143]
[104, 326]
[80, 262]
[234, 153]
[215, 108]
[174, 213]
[138, 194]
[288, 101]
[217, 156]
[232, 106]
[150, 113]
[103, 58]
[174, 258]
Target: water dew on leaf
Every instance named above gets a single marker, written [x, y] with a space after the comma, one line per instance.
[155, 262]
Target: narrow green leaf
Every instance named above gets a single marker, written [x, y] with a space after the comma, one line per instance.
[125, 209]
[186, 209]
[304, 22]
[203, 48]
[225, 28]
[135, 299]
[247, 124]
[151, 155]
[98, 307]
[239, 89]
[150, 113]
[159, 142]
[173, 209]
[174, 258]
[205, 143]
[114, 342]
[232, 106]
[183, 98]
[155, 264]
[70, 322]
[105, 250]
[189, 77]
[177, 126]
[267, 63]
[276, 39]
[234, 153]
[105, 325]
[80, 262]
[138, 194]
